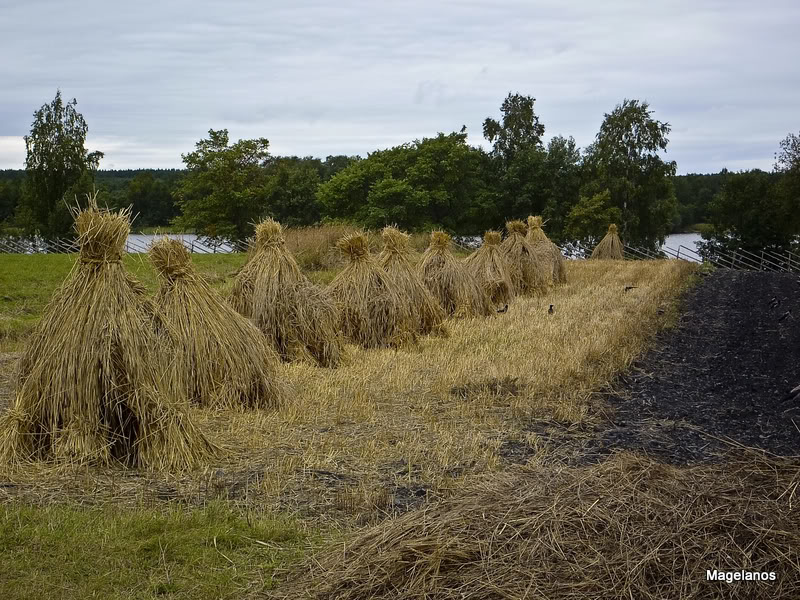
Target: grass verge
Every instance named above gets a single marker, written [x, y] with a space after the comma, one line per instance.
[61, 551]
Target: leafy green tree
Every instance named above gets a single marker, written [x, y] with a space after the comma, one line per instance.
[519, 128]
[787, 159]
[290, 191]
[58, 168]
[519, 158]
[433, 182]
[588, 221]
[151, 200]
[221, 194]
[754, 210]
[562, 183]
[624, 159]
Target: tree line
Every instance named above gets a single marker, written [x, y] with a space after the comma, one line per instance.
[435, 182]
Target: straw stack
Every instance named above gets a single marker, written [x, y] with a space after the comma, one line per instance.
[425, 310]
[544, 247]
[91, 382]
[299, 318]
[374, 312]
[450, 281]
[489, 267]
[610, 247]
[530, 273]
[223, 360]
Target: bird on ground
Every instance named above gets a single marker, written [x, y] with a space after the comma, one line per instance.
[504, 309]
[550, 310]
[785, 315]
[630, 287]
[774, 303]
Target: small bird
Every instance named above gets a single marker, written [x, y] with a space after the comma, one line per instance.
[630, 287]
[788, 313]
[504, 309]
[550, 310]
[774, 303]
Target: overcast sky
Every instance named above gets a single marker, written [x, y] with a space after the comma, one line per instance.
[320, 77]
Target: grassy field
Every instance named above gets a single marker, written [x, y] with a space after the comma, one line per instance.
[387, 431]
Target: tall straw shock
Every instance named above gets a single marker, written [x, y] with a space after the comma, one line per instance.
[426, 313]
[549, 252]
[490, 268]
[93, 380]
[450, 282]
[223, 359]
[531, 274]
[374, 312]
[300, 319]
[610, 247]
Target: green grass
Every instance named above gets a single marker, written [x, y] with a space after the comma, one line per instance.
[109, 552]
[27, 283]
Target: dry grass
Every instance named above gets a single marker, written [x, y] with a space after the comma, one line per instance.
[610, 247]
[90, 383]
[299, 318]
[222, 358]
[531, 272]
[450, 282]
[627, 528]
[397, 260]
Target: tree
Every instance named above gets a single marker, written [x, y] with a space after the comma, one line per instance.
[588, 221]
[151, 200]
[433, 182]
[624, 159]
[58, 167]
[222, 193]
[562, 182]
[519, 157]
[787, 159]
[290, 191]
[519, 128]
[754, 210]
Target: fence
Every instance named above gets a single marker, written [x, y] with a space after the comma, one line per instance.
[37, 245]
[741, 259]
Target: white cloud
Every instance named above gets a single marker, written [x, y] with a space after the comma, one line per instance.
[324, 78]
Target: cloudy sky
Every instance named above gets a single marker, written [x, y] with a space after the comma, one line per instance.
[320, 77]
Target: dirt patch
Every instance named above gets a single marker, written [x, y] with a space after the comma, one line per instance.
[719, 378]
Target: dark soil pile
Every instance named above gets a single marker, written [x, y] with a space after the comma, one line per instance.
[721, 376]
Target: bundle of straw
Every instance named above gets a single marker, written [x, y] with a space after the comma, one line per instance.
[544, 247]
[489, 267]
[450, 281]
[374, 312]
[91, 386]
[426, 312]
[299, 318]
[223, 360]
[530, 273]
[610, 247]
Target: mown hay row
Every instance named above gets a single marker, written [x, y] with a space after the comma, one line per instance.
[374, 312]
[542, 244]
[395, 258]
[626, 528]
[299, 318]
[91, 381]
[531, 272]
[222, 358]
[610, 247]
[450, 281]
[490, 268]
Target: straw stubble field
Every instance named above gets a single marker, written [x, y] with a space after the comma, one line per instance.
[388, 431]
[391, 428]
